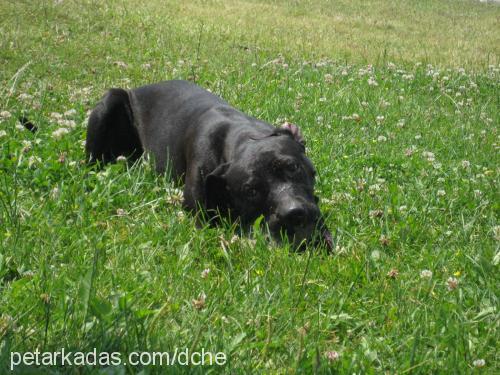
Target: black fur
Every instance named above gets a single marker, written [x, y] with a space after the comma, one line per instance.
[28, 124]
[230, 162]
[111, 131]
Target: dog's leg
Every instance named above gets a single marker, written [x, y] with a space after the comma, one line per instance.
[111, 131]
[193, 192]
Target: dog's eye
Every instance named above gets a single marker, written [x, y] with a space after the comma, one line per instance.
[292, 166]
[250, 191]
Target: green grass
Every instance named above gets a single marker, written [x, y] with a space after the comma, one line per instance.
[108, 259]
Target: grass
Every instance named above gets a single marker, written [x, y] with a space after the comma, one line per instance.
[407, 155]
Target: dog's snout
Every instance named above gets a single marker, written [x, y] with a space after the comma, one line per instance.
[297, 219]
[295, 215]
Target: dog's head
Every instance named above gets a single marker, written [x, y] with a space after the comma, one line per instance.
[271, 177]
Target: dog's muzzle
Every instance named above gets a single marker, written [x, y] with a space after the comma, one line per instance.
[301, 223]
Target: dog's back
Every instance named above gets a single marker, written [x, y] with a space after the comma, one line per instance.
[164, 119]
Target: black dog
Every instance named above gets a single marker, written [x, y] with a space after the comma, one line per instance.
[232, 164]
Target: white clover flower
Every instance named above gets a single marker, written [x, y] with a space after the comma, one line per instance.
[54, 193]
[376, 213]
[204, 273]
[26, 145]
[426, 274]
[67, 123]
[429, 156]
[452, 283]
[403, 208]
[121, 159]
[174, 196]
[332, 355]
[34, 160]
[478, 363]
[121, 64]
[393, 273]
[410, 150]
[339, 249]
[3, 133]
[121, 212]
[199, 303]
[328, 78]
[180, 215]
[380, 119]
[441, 193]
[372, 82]
[4, 115]
[465, 164]
[375, 255]
[58, 134]
[373, 189]
[418, 136]
[25, 96]
[381, 138]
[56, 115]
[384, 240]
[496, 232]
[70, 112]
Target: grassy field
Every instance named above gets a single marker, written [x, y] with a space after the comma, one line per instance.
[399, 104]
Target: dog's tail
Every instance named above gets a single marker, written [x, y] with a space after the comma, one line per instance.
[28, 124]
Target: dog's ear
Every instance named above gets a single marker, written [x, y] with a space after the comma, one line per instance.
[295, 131]
[216, 192]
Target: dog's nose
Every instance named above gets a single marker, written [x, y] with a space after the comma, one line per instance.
[295, 216]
